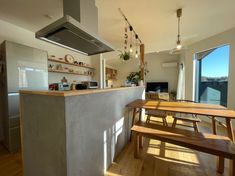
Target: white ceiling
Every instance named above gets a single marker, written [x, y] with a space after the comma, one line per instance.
[154, 20]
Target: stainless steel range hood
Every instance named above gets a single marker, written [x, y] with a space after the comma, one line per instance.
[71, 31]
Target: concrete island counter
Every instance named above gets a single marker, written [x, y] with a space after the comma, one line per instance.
[74, 133]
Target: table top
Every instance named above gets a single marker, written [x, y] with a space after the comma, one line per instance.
[184, 107]
[74, 92]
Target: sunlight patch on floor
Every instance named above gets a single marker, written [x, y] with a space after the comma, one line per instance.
[168, 152]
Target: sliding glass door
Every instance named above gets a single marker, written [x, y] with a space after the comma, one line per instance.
[212, 76]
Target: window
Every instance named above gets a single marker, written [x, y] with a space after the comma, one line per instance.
[212, 75]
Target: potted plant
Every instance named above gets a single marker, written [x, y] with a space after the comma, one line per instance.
[133, 77]
[125, 56]
[173, 95]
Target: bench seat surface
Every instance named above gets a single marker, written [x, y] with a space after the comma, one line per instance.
[208, 143]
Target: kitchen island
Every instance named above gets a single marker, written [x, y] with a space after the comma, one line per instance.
[74, 133]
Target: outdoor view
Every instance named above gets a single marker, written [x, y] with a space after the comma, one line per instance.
[213, 79]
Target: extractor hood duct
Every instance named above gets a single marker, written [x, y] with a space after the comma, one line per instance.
[77, 29]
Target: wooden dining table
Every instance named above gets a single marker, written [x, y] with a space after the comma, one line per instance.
[206, 110]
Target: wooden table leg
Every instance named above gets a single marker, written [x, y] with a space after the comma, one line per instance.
[220, 160]
[232, 167]
[140, 114]
[231, 136]
[220, 164]
[133, 120]
[140, 138]
[133, 117]
[136, 145]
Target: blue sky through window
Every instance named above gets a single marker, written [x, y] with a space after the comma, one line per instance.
[216, 64]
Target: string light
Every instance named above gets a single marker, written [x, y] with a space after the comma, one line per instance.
[125, 37]
[136, 51]
[131, 29]
[128, 38]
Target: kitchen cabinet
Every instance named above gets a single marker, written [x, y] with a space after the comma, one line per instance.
[71, 128]
[111, 74]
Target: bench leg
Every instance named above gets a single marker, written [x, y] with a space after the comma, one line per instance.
[195, 126]
[136, 145]
[232, 167]
[214, 125]
[220, 164]
[231, 136]
[174, 123]
[220, 159]
[230, 129]
[164, 121]
[140, 114]
[141, 141]
[148, 119]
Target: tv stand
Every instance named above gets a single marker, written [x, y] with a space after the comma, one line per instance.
[157, 96]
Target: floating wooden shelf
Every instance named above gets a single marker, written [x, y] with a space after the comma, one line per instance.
[63, 62]
[74, 73]
[111, 73]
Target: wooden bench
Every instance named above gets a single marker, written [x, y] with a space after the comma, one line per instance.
[191, 118]
[157, 114]
[213, 144]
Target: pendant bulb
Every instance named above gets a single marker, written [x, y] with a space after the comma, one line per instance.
[178, 46]
[178, 43]
[131, 50]
[136, 55]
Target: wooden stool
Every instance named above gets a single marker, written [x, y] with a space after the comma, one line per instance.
[187, 118]
[157, 114]
[194, 120]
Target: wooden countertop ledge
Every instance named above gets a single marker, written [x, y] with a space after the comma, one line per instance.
[74, 92]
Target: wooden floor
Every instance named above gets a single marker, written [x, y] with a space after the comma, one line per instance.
[164, 159]
[157, 159]
[10, 164]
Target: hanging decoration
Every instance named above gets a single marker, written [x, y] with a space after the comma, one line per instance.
[136, 46]
[129, 44]
[125, 37]
[131, 29]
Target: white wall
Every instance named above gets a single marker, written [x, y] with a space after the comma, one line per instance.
[96, 61]
[17, 34]
[156, 72]
[227, 37]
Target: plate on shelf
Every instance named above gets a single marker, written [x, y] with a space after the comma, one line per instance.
[69, 58]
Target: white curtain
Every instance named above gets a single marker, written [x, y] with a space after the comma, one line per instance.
[181, 82]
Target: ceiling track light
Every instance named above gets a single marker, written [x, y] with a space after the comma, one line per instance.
[130, 26]
[130, 37]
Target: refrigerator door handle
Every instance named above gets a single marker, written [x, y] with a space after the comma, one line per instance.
[13, 93]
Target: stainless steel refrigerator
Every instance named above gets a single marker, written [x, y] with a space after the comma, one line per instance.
[21, 67]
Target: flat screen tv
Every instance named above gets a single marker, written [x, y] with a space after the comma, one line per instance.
[157, 87]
